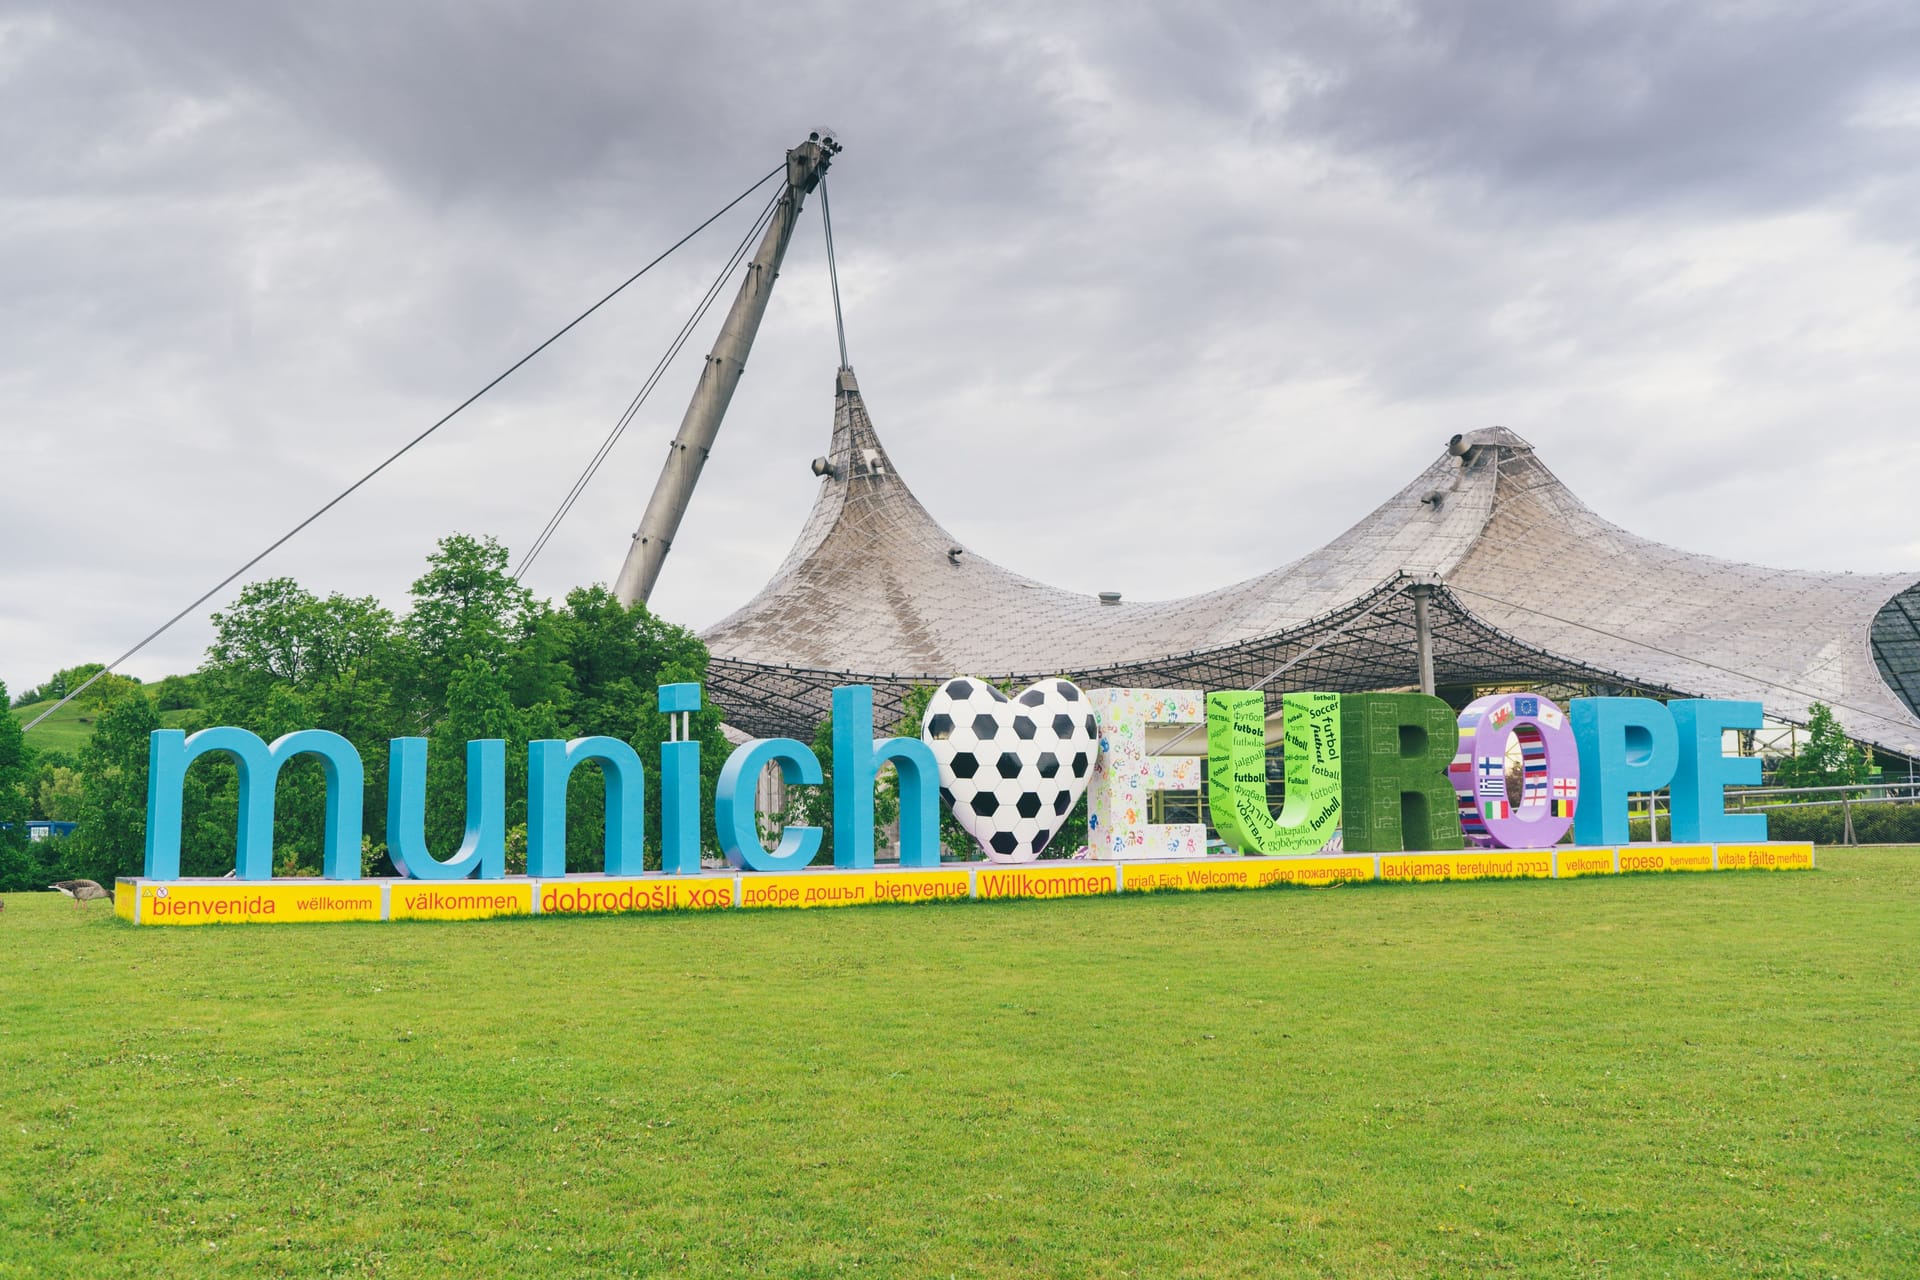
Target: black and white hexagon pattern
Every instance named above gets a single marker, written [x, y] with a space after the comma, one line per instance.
[1011, 768]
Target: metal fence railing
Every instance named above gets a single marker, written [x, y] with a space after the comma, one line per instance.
[1770, 799]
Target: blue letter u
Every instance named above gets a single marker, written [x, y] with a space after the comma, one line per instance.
[485, 848]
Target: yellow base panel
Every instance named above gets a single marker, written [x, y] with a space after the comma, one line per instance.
[1246, 873]
[850, 888]
[459, 899]
[1677, 857]
[1568, 863]
[190, 902]
[1485, 864]
[641, 893]
[1765, 857]
[256, 902]
[1074, 880]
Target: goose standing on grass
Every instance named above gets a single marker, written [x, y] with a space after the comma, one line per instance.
[80, 890]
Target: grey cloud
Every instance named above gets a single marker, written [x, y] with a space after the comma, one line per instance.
[1100, 263]
[528, 107]
[1606, 107]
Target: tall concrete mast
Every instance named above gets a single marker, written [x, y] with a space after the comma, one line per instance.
[725, 363]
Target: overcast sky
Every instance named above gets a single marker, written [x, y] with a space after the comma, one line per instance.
[1095, 259]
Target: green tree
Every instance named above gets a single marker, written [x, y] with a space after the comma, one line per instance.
[55, 788]
[478, 708]
[284, 659]
[177, 693]
[16, 865]
[476, 657]
[107, 689]
[279, 635]
[537, 672]
[616, 658]
[59, 684]
[1828, 759]
[466, 606]
[111, 834]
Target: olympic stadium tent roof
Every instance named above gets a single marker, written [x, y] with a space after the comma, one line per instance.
[1523, 584]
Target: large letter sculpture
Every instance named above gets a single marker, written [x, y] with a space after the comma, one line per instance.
[1549, 768]
[1125, 772]
[1237, 771]
[736, 817]
[1395, 794]
[550, 763]
[1011, 769]
[169, 752]
[484, 850]
[857, 757]
[680, 785]
[1626, 745]
[1700, 783]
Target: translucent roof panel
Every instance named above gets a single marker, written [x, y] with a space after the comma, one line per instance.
[1527, 583]
[1896, 645]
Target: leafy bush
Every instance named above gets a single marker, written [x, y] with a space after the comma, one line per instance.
[1826, 824]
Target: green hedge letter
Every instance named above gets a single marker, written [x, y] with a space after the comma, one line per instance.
[1393, 783]
[1237, 771]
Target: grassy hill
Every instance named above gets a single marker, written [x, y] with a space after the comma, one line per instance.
[1707, 1075]
[71, 727]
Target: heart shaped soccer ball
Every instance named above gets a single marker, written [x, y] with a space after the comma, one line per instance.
[1011, 768]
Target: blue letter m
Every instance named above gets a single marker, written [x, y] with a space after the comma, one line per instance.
[169, 752]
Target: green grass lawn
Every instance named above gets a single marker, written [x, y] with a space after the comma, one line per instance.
[66, 730]
[71, 727]
[1647, 1076]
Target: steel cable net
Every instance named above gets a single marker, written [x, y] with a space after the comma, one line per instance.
[1354, 654]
